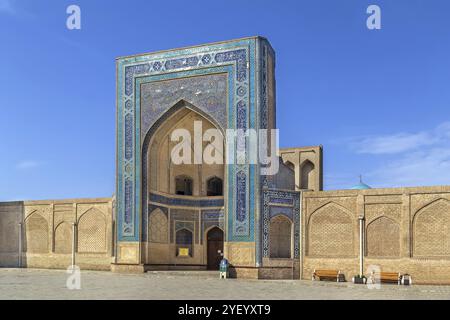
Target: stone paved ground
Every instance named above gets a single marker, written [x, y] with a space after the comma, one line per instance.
[51, 284]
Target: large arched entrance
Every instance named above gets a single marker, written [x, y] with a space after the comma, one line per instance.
[185, 176]
[182, 188]
[214, 248]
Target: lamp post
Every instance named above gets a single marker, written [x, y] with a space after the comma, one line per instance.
[74, 239]
[20, 245]
[361, 245]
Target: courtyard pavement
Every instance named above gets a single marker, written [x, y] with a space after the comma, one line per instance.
[51, 284]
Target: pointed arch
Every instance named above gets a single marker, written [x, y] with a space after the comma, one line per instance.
[214, 186]
[329, 203]
[212, 226]
[280, 237]
[431, 231]
[290, 165]
[184, 239]
[307, 173]
[158, 227]
[63, 238]
[153, 174]
[214, 247]
[383, 238]
[330, 232]
[92, 232]
[181, 104]
[184, 185]
[432, 203]
[29, 214]
[36, 233]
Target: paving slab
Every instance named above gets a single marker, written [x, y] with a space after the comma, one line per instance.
[32, 284]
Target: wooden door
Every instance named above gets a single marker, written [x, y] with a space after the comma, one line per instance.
[215, 248]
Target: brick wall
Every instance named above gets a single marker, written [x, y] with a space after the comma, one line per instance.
[47, 233]
[405, 230]
[10, 217]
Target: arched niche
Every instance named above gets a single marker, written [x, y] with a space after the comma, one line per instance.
[280, 237]
[307, 173]
[158, 168]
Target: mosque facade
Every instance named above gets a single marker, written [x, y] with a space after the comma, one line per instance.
[188, 215]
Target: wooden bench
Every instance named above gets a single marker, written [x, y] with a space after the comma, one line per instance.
[386, 277]
[332, 275]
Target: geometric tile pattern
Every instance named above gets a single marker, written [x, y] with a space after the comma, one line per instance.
[330, 232]
[431, 229]
[238, 55]
[92, 232]
[271, 207]
[36, 234]
[383, 238]
[158, 227]
[212, 218]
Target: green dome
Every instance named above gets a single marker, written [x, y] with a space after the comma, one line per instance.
[361, 185]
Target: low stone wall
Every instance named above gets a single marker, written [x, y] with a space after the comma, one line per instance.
[405, 230]
[47, 233]
[11, 214]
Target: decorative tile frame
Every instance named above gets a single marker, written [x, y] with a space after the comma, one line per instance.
[161, 201]
[190, 202]
[151, 208]
[288, 204]
[190, 216]
[241, 57]
[188, 225]
[211, 218]
[265, 52]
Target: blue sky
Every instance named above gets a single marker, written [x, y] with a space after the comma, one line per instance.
[378, 101]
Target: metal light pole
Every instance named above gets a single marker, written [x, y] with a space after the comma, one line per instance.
[361, 245]
[20, 245]
[74, 235]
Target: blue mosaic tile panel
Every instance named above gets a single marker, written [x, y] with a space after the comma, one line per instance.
[208, 93]
[212, 218]
[185, 202]
[240, 55]
[276, 210]
[128, 136]
[128, 217]
[269, 210]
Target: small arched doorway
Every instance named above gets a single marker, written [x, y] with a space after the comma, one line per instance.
[214, 248]
[280, 237]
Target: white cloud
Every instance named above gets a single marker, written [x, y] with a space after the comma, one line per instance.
[27, 164]
[401, 142]
[408, 159]
[420, 168]
[393, 143]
